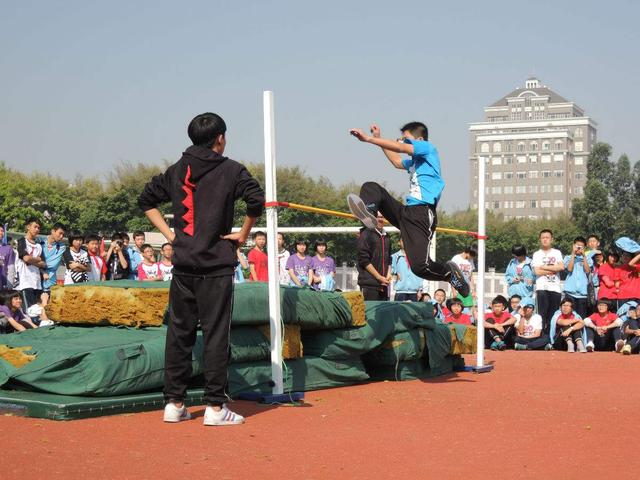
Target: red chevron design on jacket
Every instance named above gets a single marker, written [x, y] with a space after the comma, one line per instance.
[188, 217]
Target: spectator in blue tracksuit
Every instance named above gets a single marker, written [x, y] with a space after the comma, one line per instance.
[406, 283]
[519, 274]
[578, 265]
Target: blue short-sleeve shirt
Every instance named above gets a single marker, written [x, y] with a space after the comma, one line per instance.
[425, 179]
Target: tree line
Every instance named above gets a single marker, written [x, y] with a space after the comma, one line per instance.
[609, 209]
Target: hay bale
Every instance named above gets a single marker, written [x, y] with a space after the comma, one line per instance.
[16, 356]
[292, 342]
[465, 343]
[358, 307]
[96, 305]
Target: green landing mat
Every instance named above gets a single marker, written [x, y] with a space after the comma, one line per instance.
[67, 407]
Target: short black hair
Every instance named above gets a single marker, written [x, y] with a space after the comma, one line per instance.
[259, 233]
[58, 226]
[31, 220]
[440, 290]
[205, 128]
[472, 250]
[500, 299]
[138, 233]
[593, 235]
[124, 235]
[321, 241]
[614, 254]
[144, 246]
[545, 230]
[301, 241]
[164, 245]
[454, 301]
[580, 239]
[91, 237]
[116, 236]
[417, 129]
[75, 236]
[7, 295]
[515, 296]
[567, 300]
[606, 301]
[519, 250]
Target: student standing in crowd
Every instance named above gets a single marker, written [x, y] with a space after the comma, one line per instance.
[241, 267]
[464, 261]
[569, 326]
[283, 256]
[98, 270]
[202, 187]
[165, 263]
[52, 251]
[603, 329]
[609, 283]
[593, 245]
[499, 325]
[628, 273]
[258, 259]
[519, 275]
[578, 266]
[117, 259]
[134, 252]
[148, 269]
[299, 266]
[7, 263]
[529, 329]
[374, 261]
[440, 303]
[407, 283]
[76, 261]
[324, 268]
[547, 263]
[29, 262]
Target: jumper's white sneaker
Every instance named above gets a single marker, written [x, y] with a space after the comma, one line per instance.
[222, 417]
[173, 414]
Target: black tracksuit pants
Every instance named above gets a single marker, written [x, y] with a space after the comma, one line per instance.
[208, 300]
[416, 224]
[547, 303]
[604, 343]
[535, 343]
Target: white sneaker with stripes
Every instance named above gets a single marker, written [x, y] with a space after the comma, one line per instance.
[173, 414]
[222, 417]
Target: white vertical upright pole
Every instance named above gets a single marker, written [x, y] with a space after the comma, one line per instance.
[272, 242]
[481, 263]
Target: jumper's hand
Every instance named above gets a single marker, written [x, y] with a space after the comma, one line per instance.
[359, 134]
[375, 130]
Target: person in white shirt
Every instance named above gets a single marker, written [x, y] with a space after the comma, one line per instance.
[98, 266]
[547, 263]
[30, 263]
[464, 261]
[283, 256]
[165, 264]
[529, 334]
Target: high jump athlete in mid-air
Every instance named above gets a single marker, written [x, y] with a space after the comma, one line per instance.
[417, 219]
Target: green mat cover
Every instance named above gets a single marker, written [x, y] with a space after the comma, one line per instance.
[414, 369]
[401, 347]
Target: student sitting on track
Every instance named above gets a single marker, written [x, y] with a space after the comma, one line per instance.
[528, 326]
[440, 303]
[498, 325]
[569, 327]
[603, 329]
[456, 315]
[631, 329]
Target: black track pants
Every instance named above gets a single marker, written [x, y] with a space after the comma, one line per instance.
[208, 300]
[416, 224]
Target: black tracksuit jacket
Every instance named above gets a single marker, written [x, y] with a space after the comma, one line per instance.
[374, 249]
[202, 187]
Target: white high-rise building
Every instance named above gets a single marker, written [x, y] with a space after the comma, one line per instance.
[535, 144]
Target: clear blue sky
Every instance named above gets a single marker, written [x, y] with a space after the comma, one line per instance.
[86, 85]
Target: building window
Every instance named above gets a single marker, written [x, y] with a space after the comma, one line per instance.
[508, 175]
[577, 146]
[533, 217]
[545, 188]
[558, 145]
[496, 190]
[496, 204]
[521, 189]
[578, 175]
[508, 190]
[578, 133]
[546, 145]
[558, 173]
[558, 203]
[579, 161]
[545, 203]
[521, 175]
[533, 174]
[533, 189]
[497, 147]
[496, 161]
[496, 176]
[522, 159]
[507, 146]
[521, 146]
[534, 204]
[520, 204]
[484, 148]
[546, 174]
[534, 146]
[578, 190]
[558, 188]
[533, 158]
[545, 159]
[486, 205]
[558, 157]
[508, 160]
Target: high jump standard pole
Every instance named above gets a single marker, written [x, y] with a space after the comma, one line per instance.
[272, 243]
